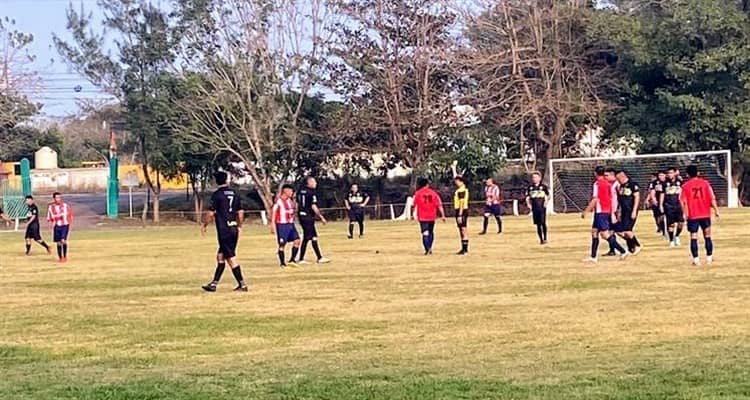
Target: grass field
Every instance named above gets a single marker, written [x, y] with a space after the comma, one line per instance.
[125, 318]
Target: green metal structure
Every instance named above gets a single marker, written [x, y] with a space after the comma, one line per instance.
[113, 189]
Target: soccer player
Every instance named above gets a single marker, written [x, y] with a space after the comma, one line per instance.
[492, 206]
[283, 225]
[610, 174]
[601, 205]
[671, 207]
[698, 199]
[427, 204]
[226, 211]
[655, 191]
[628, 199]
[60, 215]
[537, 195]
[307, 211]
[33, 232]
[461, 206]
[355, 203]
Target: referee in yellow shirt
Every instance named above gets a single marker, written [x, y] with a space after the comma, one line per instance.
[461, 205]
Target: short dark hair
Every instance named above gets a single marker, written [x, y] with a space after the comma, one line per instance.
[692, 171]
[422, 182]
[220, 177]
[287, 186]
[622, 171]
[610, 170]
[599, 171]
[56, 194]
[29, 197]
[459, 178]
[661, 172]
[674, 169]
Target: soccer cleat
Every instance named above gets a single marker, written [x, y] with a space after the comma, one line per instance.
[283, 266]
[672, 244]
[590, 260]
[611, 254]
[303, 262]
[709, 260]
[49, 251]
[461, 253]
[350, 237]
[361, 236]
[624, 256]
[696, 262]
[324, 260]
[428, 253]
[293, 264]
[209, 288]
[637, 250]
[483, 233]
[242, 288]
[677, 241]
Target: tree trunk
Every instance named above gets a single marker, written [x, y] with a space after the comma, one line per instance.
[157, 193]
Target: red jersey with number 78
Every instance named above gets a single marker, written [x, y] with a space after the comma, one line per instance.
[698, 195]
[427, 202]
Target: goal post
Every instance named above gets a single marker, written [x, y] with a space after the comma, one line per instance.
[570, 179]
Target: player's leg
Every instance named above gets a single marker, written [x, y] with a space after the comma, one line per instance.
[316, 245]
[28, 246]
[485, 221]
[231, 256]
[352, 219]
[218, 272]
[294, 238]
[37, 237]
[425, 230]
[281, 240]
[693, 227]
[66, 232]
[464, 231]
[678, 230]
[497, 211]
[539, 225]
[594, 243]
[361, 222]
[705, 225]
[306, 238]
[671, 225]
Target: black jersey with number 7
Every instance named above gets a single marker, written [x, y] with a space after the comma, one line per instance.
[226, 204]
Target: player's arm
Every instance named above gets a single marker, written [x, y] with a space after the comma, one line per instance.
[346, 203]
[240, 212]
[714, 204]
[4, 217]
[661, 201]
[207, 218]
[528, 200]
[272, 224]
[317, 212]
[367, 200]
[31, 219]
[636, 202]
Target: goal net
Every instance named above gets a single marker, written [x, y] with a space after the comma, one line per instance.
[570, 179]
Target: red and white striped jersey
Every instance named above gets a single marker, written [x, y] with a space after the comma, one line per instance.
[283, 211]
[492, 194]
[60, 214]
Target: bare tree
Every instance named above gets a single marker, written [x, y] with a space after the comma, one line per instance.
[534, 70]
[257, 66]
[395, 75]
[17, 81]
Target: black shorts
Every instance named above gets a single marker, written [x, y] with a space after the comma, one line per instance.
[540, 216]
[228, 238]
[694, 224]
[309, 231]
[657, 211]
[493, 209]
[426, 226]
[462, 219]
[673, 215]
[32, 232]
[625, 224]
[357, 214]
[60, 233]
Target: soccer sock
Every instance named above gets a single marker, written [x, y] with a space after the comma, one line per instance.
[426, 242]
[694, 247]
[540, 232]
[219, 271]
[485, 224]
[43, 244]
[499, 224]
[316, 249]
[65, 250]
[59, 251]
[361, 228]
[28, 248]
[636, 242]
[281, 257]
[709, 247]
[671, 236]
[295, 250]
[351, 229]
[430, 240]
[629, 243]
[237, 272]
[614, 245]
[544, 230]
[594, 246]
[465, 244]
[303, 249]
[679, 232]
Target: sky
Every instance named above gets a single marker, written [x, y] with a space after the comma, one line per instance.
[42, 18]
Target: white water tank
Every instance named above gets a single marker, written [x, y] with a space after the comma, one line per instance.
[45, 158]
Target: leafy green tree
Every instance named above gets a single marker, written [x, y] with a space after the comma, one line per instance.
[685, 84]
[138, 75]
